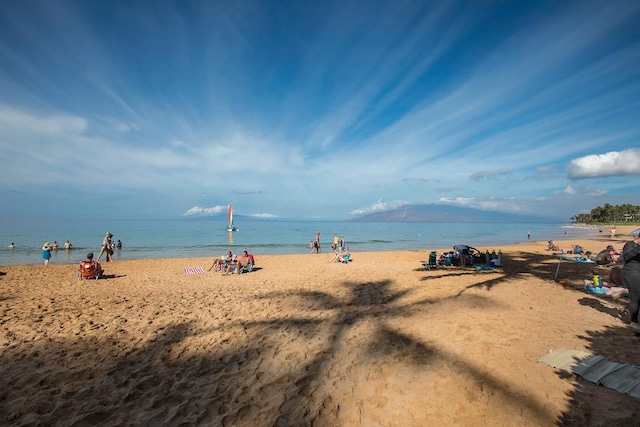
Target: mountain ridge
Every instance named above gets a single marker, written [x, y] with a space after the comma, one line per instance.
[446, 213]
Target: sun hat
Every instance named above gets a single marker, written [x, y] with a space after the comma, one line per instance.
[109, 234]
[635, 232]
[47, 244]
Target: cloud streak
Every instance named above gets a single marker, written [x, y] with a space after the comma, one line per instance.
[311, 111]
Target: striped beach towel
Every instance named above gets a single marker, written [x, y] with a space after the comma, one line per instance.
[194, 270]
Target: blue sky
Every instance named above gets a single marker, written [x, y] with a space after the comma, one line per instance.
[317, 110]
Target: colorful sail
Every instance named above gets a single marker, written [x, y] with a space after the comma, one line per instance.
[230, 226]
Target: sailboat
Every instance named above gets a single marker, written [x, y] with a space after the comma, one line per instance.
[230, 226]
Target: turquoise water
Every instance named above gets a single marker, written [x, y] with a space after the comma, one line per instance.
[193, 238]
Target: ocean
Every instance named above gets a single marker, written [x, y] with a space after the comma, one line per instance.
[180, 238]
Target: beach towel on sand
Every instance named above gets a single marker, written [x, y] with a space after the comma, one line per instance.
[194, 270]
[616, 376]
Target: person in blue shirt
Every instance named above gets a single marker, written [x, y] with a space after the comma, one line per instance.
[46, 253]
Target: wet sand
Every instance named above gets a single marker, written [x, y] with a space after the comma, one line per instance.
[301, 341]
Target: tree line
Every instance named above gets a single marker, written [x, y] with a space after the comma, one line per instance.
[610, 213]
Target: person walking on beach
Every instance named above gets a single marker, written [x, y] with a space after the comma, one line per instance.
[631, 274]
[46, 253]
[316, 242]
[334, 245]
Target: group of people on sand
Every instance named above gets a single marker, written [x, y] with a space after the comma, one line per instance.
[90, 268]
[233, 264]
[108, 247]
[340, 250]
[624, 275]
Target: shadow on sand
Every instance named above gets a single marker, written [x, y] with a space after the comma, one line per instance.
[177, 374]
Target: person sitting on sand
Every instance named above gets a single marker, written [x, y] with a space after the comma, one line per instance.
[90, 269]
[577, 249]
[342, 256]
[552, 246]
[607, 256]
[243, 261]
[231, 266]
[220, 264]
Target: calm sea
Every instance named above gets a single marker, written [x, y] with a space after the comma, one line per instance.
[192, 238]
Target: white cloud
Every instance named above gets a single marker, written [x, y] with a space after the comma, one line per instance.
[54, 124]
[200, 211]
[584, 190]
[460, 201]
[379, 206]
[567, 190]
[263, 215]
[613, 163]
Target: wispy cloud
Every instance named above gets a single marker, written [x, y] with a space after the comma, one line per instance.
[480, 175]
[322, 110]
[379, 206]
[200, 211]
[586, 190]
[263, 216]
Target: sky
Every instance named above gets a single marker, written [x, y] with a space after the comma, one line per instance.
[317, 110]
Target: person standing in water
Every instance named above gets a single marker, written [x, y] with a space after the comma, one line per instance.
[46, 253]
[106, 247]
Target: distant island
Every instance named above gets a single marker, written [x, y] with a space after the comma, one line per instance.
[447, 213]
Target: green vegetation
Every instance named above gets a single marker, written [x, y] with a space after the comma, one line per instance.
[621, 214]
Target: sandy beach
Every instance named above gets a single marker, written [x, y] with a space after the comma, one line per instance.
[301, 341]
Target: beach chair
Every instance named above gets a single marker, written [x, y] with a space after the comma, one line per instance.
[432, 263]
[345, 258]
[89, 270]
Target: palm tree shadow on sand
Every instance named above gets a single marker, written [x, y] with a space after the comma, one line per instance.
[247, 373]
[589, 404]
